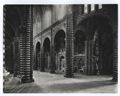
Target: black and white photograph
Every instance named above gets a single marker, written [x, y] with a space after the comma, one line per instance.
[60, 48]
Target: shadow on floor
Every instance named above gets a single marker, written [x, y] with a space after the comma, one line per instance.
[24, 88]
[79, 86]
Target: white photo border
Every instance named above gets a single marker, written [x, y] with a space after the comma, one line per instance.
[20, 2]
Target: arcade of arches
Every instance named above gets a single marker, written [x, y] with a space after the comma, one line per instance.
[59, 52]
[78, 43]
[93, 54]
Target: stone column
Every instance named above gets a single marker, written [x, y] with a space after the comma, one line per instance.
[69, 47]
[4, 21]
[16, 56]
[52, 54]
[52, 58]
[87, 69]
[115, 59]
[42, 60]
[88, 57]
[26, 47]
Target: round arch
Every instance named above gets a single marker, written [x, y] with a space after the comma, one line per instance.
[63, 28]
[99, 50]
[79, 50]
[37, 56]
[43, 39]
[46, 54]
[59, 47]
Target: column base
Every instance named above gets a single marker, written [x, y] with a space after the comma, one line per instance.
[115, 80]
[27, 81]
[42, 70]
[52, 72]
[69, 75]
